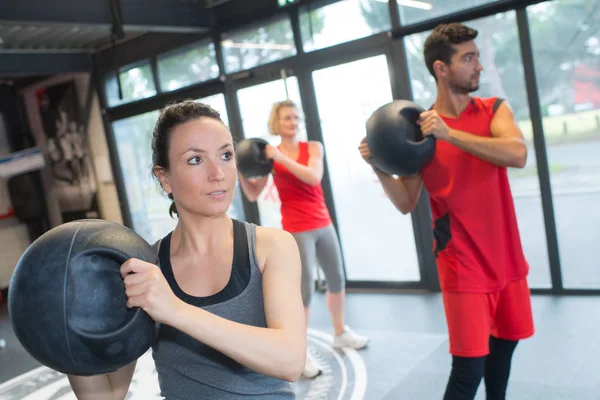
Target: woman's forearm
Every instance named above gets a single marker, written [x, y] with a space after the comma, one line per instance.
[265, 350]
[305, 173]
[500, 151]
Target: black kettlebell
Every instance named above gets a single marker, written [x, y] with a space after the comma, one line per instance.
[251, 158]
[397, 145]
[67, 299]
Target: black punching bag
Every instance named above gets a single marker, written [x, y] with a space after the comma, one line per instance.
[26, 196]
[67, 299]
[396, 142]
[251, 158]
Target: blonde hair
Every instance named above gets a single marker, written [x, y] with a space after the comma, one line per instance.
[274, 117]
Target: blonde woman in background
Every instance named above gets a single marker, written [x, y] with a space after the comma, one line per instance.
[297, 173]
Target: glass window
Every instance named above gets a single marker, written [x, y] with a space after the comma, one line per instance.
[498, 43]
[255, 106]
[137, 83]
[192, 64]
[148, 206]
[217, 101]
[342, 21]
[412, 11]
[372, 232]
[247, 48]
[566, 50]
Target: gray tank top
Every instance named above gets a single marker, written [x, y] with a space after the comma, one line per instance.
[188, 369]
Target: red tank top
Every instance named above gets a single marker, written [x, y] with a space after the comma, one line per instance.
[477, 242]
[303, 206]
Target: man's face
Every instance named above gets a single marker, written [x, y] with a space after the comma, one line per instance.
[464, 69]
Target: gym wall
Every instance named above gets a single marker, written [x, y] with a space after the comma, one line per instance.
[14, 236]
[108, 201]
[89, 116]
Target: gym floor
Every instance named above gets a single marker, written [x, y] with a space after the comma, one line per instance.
[407, 357]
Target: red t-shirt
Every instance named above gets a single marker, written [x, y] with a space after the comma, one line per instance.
[303, 206]
[477, 242]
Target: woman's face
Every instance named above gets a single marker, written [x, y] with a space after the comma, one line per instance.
[202, 172]
[288, 121]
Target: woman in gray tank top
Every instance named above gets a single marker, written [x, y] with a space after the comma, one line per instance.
[226, 296]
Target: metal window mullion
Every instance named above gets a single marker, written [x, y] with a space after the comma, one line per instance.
[154, 69]
[535, 114]
[314, 131]
[113, 155]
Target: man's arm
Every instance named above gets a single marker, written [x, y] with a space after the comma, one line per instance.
[506, 147]
[402, 191]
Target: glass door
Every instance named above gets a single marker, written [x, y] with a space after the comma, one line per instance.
[377, 240]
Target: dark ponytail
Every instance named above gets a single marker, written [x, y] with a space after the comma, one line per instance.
[170, 117]
[173, 207]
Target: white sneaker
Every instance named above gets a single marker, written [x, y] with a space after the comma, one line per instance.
[311, 368]
[350, 339]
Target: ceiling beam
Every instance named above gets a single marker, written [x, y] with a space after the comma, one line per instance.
[141, 47]
[183, 16]
[49, 63]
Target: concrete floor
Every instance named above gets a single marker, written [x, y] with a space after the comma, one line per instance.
[406, 359]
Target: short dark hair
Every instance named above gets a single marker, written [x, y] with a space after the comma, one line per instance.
[438, 45]
[171, 116]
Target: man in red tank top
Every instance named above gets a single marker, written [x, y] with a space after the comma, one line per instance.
[481, 265]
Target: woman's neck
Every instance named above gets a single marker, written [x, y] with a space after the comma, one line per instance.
[290, 143]
[197, 235]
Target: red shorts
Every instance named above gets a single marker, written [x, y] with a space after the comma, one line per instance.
[473, 317]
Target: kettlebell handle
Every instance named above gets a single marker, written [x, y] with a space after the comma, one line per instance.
[119, 258]
[425, 139]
